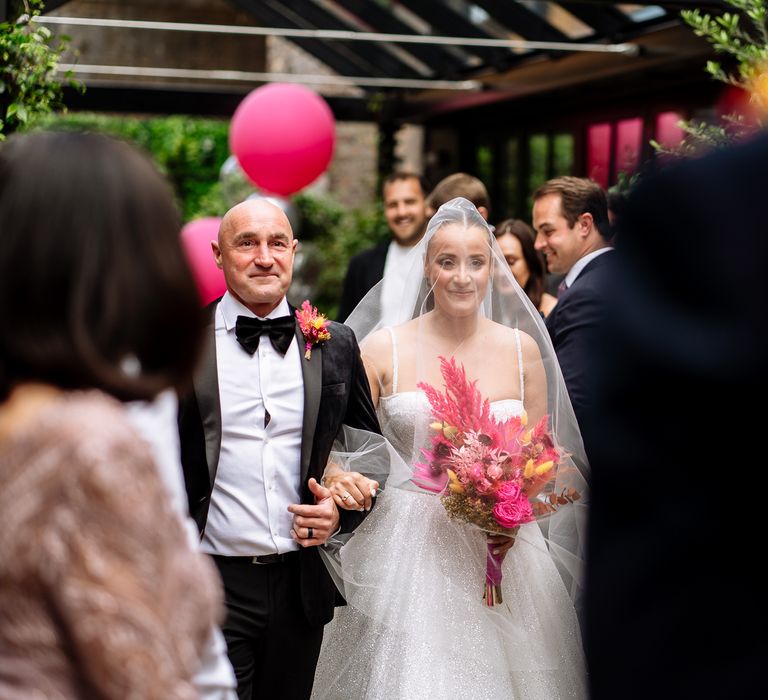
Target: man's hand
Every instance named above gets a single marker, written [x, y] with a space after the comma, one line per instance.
[313, 525]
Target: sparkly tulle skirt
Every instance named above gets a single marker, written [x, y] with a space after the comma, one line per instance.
[416, 625]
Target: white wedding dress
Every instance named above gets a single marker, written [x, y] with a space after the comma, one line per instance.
[416, 627]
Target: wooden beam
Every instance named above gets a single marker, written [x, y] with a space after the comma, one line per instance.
[606, 21]
[443, 63]
[521, 20]
[203, 103]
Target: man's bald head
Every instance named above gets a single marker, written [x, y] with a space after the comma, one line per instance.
[255, 249]
[257, 209]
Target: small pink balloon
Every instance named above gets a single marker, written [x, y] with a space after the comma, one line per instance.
[282, 135]
[196, 237]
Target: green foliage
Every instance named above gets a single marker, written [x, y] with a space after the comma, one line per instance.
[29, 61]
[748, 47]
[190, 151]
[336, 234]
[624, 183]
[746, 50]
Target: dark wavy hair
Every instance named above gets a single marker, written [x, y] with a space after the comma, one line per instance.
[95, 291]
[534, 287]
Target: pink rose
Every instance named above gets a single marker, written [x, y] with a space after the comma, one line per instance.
[509, 513]
[509, 491]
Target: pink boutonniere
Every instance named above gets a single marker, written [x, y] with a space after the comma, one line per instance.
[314, 327]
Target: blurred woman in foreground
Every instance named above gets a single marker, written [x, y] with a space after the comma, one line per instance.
[101, 595]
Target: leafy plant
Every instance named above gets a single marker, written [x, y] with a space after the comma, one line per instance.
[29, 62]
[746, 50]
[749, 47]
[189, 150]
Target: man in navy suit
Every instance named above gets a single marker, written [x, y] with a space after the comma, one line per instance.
[570, 216]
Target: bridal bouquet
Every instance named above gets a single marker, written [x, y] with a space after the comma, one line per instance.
[487, 470]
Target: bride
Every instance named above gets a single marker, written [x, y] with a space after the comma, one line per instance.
[416, 625]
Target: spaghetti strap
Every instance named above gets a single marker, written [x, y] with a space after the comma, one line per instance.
[520, 365]
[394, 358]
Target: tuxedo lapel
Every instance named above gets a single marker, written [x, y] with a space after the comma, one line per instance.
[312, 372]
[208, 401]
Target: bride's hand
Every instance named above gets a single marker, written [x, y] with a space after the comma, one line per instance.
[350, 490]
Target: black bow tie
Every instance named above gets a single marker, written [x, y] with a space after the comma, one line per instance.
[281, 330]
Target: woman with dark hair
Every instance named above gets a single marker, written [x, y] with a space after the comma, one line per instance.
[101, 595]
[516, 238]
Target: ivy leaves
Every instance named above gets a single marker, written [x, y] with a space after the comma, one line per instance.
[29, 67]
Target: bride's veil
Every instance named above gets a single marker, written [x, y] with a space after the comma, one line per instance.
[511, 341]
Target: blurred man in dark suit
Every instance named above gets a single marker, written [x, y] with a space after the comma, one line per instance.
[677, 532]
[405, 209]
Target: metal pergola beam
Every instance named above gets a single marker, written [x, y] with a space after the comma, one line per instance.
[207, 75]
[349, 35]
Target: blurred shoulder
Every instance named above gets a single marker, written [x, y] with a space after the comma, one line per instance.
[91, 420]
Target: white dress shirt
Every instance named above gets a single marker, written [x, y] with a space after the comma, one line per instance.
[396, 270]
[259, 473]
[581, 263]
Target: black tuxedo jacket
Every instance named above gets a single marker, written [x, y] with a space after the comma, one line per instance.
[365, 270]
[574, 326]
[336, 392]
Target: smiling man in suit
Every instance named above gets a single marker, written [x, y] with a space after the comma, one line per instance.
[570, 217]
[255, 437]
[405, 210]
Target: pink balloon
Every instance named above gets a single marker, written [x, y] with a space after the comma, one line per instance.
[196, 237]
[282, 135]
